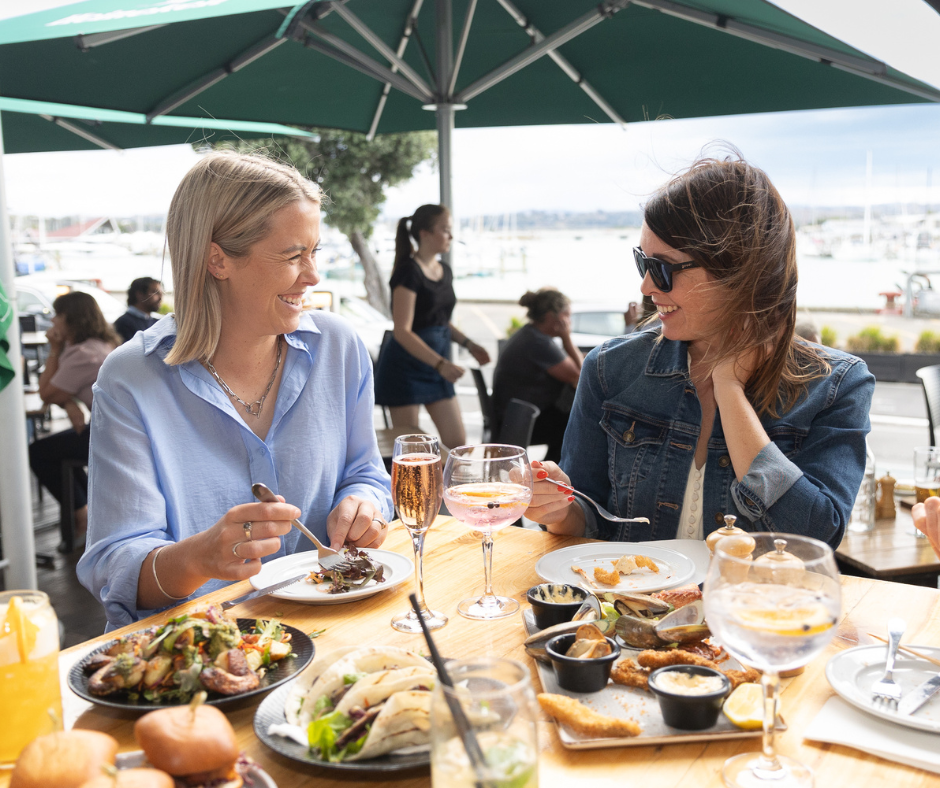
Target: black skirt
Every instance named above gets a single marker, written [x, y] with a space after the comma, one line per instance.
[401, 379]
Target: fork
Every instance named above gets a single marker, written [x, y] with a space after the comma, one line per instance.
[887, 690]
[600, 509]
[327, 557]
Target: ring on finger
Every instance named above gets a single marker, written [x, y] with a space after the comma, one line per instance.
[235, 550]
[380, 521]
[247, 529]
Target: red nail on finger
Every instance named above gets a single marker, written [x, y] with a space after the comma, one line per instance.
[541, 475]
[562, 488]
[570, 499]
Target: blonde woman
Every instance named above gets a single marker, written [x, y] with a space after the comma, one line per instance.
[239, 386]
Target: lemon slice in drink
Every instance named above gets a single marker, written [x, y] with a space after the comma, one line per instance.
[802, 620]
[745, 707]
[18, 624]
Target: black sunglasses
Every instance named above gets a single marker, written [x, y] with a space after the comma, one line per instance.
[660, 271]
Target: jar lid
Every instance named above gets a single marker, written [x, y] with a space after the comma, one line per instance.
[728, 529]
[779, 556]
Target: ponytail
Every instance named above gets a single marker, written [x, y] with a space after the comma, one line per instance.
[423, 219]
[403, 247]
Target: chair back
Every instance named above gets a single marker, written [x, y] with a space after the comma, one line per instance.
[27, 323]
[930, 380]
[518, 423]
[486, 405]
[386, 416]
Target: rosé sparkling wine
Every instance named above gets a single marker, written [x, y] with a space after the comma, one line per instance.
[417, 489]
[488, 506]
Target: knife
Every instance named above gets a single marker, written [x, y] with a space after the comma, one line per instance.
[918, 697]
[262, 591]
[326, 556]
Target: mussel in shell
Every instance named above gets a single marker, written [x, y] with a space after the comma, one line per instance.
[648, 627]
[590, 611]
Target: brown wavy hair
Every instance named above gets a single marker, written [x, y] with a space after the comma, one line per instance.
[84, 319]
[543, 301]
[727, 216]
[423, 219]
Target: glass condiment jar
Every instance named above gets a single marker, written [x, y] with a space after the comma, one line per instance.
[29, 671]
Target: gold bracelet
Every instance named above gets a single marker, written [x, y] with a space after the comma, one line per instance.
[153, 565]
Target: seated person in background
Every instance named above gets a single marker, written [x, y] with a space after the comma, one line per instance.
[637, 315]
[927, 520]
[718, 408]
[79, 341]
[143, 297]
[532, 367]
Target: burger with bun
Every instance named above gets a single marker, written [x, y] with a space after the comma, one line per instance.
[132, 778]
[65, 759]
[195, 744]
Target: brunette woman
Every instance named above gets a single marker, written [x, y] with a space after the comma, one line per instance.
[415, 367]
[719, 408]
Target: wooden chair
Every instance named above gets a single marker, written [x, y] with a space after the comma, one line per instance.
[930, 380]
[518, 423]
[486, 405]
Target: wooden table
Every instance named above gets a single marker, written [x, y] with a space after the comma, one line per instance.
[453, 569]
[891, 552]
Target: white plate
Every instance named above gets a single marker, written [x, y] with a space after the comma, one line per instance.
[852, 672]
[398, 569]
[256, 777]
[674, 568]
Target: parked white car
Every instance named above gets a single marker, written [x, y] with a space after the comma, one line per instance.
[36, 293]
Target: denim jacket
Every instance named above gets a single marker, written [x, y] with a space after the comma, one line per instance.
[635, 423]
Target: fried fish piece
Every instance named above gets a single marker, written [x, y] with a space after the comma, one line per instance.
[681, 596]
[659, 659]
[585, 721]
[746, 676]
[605, 577]
[629, 674]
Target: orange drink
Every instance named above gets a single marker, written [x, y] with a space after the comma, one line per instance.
[29, 671]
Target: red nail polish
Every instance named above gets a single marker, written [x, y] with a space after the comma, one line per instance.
[562, 488]
[570, 499]
[541, 475]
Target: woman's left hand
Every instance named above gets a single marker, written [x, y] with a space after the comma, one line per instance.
[55, 338]
[357, 522]
[479, 353]
[737, 370]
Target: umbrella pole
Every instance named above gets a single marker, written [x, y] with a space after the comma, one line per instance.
[445, 131]
[16, 512]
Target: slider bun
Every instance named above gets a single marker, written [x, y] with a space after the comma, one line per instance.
[133, 778]
[65, 759]
[183, 743]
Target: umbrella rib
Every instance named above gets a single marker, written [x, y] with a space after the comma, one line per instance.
[86, 135]
[563, 63]
[605, 10]
[462, 46]
[91, 40]
[392, 57]
[247, 57]
[402, 45]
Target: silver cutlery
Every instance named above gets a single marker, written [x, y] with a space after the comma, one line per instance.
[327, 557]
[918, 697]
[600, 509]
[230, 603]
[887, 690]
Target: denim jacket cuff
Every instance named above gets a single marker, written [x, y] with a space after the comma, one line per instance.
[591, 531]
[770, 476]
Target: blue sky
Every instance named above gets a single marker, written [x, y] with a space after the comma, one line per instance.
[815, 158]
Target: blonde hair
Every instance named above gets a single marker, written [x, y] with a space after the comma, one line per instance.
[228, 199]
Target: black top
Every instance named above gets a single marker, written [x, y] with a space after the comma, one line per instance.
[434, 301]
[129, 324]
[521, 370]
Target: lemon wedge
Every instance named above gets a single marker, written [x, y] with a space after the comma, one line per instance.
[745, 707]
[803, 620]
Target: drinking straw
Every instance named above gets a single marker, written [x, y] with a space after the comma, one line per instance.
[467, 736]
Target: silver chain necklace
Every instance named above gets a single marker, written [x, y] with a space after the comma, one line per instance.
[249, 407]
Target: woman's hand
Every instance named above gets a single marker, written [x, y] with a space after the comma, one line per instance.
[56, 339]
[231, 551]
[358, 522]
[737, 370]
[479, 353]
[927, 520]
[451, 372]
[550, 502]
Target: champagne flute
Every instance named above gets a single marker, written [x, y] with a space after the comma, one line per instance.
[487, 487]
[774, 610]
[417, 490]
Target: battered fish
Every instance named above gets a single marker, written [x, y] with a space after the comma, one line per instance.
[659, 659]
[629, 674]
[586, 721]
[630, 563]
[605, 577]
[746, 676]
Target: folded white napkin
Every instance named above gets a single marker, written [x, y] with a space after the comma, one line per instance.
[839, 722]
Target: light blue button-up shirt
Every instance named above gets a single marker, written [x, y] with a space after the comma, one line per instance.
[170, 455]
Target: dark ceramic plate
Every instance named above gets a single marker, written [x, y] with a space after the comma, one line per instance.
[302, 650]
[271, 712]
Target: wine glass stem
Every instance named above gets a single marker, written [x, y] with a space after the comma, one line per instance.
[417, 539]
[488, 564]
[771, 684]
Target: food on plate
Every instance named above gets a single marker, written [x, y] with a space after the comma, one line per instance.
[65, 759]
[636, 674]
[645, 621]
[360, 703]
[585, 721]
[589, 643]
[629, 674]
[356, 569]
[660, 659]
[739, 677]
[745, 707]
[610, 578]
[579, 571]
[195, 744]
[558, 593]
[132, 778]
[203, 650]
[679, 596]
[679, 682]
[628, 564]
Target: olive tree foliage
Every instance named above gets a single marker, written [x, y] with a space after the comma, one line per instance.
[355, 174]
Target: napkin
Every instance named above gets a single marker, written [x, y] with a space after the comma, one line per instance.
[841, 723]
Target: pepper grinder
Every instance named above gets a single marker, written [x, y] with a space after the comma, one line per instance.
[884, 498]
[730, 529]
